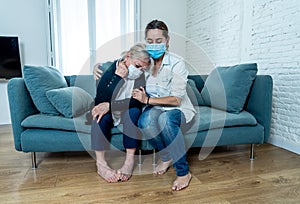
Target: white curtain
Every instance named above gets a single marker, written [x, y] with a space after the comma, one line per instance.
[88, 31]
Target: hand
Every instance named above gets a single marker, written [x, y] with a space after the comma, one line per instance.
[121, 70]
[140, 95]
[100, 110]
[97, 72]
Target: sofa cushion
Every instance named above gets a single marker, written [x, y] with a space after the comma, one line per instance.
[211, 118]
[227, 88]
[70, 101]
[39, 80]
[77, 124]
[45, 121]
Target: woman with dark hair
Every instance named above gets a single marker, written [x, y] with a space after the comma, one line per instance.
[168, 110]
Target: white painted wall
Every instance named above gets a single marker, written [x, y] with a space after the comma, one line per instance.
[27, 20]
[261, 31]
[4, 106]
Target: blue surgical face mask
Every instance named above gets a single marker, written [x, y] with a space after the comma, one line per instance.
[156, 50]
[133, 72]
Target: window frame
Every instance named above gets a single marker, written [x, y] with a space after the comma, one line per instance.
[55, 39]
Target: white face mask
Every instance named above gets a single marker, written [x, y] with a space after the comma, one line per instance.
[133, 72]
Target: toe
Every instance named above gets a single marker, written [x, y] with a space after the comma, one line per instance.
[162, 167]
[174, 187]
[181, 182]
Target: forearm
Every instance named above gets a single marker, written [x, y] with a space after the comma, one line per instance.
[164, 101]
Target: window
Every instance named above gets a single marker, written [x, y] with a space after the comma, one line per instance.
[84, 32]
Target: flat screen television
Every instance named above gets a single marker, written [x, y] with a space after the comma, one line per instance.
[10, 62]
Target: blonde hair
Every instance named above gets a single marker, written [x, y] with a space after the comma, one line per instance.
[138, 51]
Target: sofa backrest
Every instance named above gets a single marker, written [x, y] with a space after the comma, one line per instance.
[86, 82]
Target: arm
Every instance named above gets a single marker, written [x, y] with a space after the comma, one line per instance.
[178, 86]
[105, 91]
[97, 72]
[140, 95]
[100, 110]
[165, 101]
[117, 105]
[177, 78]
[100, 68]
[108, 84]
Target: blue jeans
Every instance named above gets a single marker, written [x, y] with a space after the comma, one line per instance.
[101, 135]
[163, 130]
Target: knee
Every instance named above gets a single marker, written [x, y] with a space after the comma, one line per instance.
[149, 118]
[143, 121]
[132, 115]
[169, 119]
[105, 120]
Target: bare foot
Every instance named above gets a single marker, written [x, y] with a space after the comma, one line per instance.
[126, 170]
[107, 173]
[181, 182]
[162, 167]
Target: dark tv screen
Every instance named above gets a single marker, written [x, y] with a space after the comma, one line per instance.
[10, 63]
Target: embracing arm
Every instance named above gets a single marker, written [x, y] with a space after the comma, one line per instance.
[100, 68]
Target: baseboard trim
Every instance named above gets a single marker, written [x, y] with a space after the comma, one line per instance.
[285, 144]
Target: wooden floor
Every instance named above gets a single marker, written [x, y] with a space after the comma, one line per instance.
[225, 176]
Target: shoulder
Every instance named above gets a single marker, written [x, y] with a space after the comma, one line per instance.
[174, 63]
[112, 67]
[106, 65]
[110, 70]
[109, 74]
[172, 59]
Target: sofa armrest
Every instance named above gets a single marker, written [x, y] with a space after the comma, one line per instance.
[259, 102]
[21, 106]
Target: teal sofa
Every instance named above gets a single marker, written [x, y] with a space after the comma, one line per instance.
[36, 132]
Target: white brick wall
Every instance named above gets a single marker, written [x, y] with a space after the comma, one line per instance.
[263, 31]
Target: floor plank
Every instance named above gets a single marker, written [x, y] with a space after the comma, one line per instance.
[225, 176]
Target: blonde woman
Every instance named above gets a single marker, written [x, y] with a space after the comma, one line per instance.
[114, 105]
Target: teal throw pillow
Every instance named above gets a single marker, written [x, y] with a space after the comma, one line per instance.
[194, 94]
[86, 82]
[70, 101]
[227, 88]
[39, 80]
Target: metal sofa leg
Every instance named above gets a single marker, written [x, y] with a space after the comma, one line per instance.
[154, 158]
[33, 161]
[252, 152]
[140, 157]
